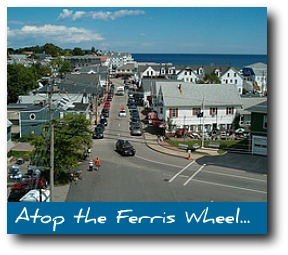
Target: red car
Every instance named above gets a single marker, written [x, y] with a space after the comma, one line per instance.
[30, 183]
[107, 105]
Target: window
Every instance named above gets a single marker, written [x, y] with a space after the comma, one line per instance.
[32, 116]
[213, 111]
[195, 111]
[229, 110]
[173, 112]
[234, 74]
[265, 121]
[235, 81]
[228, 74]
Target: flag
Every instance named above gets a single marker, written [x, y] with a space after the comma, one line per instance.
[200, 115]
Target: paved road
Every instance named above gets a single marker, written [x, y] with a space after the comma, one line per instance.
[154, 176]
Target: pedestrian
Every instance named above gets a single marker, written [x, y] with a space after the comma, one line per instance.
[90, 164]
[97, 163]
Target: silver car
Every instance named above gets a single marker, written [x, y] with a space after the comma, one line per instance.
[136, 130]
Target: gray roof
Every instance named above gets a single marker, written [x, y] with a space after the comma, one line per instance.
[258, 65]
[248, 102]
[192, 94]
[260, 108]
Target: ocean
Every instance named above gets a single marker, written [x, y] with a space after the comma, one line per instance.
[201, 59]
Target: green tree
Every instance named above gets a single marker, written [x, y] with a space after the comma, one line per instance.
[52, 50]
[72, 137]
[212, 78]
[20, 80]
[77, 52]
[65, 67]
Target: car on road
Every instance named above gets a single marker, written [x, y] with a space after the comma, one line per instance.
[100, 125]
[99, 133]
[136, 130]
[104, 121]
[20, 161]
[122, 113]
[134, 124]
[105, 112]
[125, 148]
[106, 105]
[133, 107]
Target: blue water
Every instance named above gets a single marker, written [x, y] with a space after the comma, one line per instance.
[201, 59]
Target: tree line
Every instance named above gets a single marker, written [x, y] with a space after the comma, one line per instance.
[53, 50]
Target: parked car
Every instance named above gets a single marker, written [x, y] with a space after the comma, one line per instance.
[20, 161]
[104, 121]
[133, 107]
[125, 148]
[136, 130]
[101, 126]
[122, 113]
[134, 124]
[106, 105]
[16, 174]
[134, 113]
[99, 133]
[105, 113]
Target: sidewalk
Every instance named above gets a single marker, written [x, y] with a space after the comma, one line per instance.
[153, 143]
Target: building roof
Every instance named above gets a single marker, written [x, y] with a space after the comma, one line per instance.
[189, 94]
[258, 65]
[248, 102]
[78, 107]
[259, 108]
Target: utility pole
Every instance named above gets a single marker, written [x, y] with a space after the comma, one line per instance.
[203, 123]
[51, 143]
[51, 90]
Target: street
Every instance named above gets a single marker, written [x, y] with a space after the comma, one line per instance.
[154, 176]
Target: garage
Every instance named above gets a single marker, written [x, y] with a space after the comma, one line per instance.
[259, 145]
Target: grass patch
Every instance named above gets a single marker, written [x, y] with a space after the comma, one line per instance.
[19, 154]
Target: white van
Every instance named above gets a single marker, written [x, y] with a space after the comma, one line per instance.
[120, 91]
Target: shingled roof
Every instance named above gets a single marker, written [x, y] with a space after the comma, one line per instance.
[177, 94]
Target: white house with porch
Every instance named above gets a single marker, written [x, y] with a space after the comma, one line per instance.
[182, 103]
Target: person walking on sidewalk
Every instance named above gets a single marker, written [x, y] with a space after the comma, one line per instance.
[90, 165]
[97, 163]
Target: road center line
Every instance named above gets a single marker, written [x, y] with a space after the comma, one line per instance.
[198, 171]
[181, 171]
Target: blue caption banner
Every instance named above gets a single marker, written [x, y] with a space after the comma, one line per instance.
[137, 218]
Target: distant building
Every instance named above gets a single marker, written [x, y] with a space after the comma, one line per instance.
[255, 76]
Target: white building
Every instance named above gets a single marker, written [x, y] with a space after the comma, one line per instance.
[187, 75]
[255, 75]
[182, 102]
[232, 77]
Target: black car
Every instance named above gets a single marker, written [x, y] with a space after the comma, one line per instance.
[100, 125]
[105, 113]
[99, 133]
[125, 148]
[20, 161]
[104, 121]
[134, 124]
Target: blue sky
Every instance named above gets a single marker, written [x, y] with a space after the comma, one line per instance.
[233, 30]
